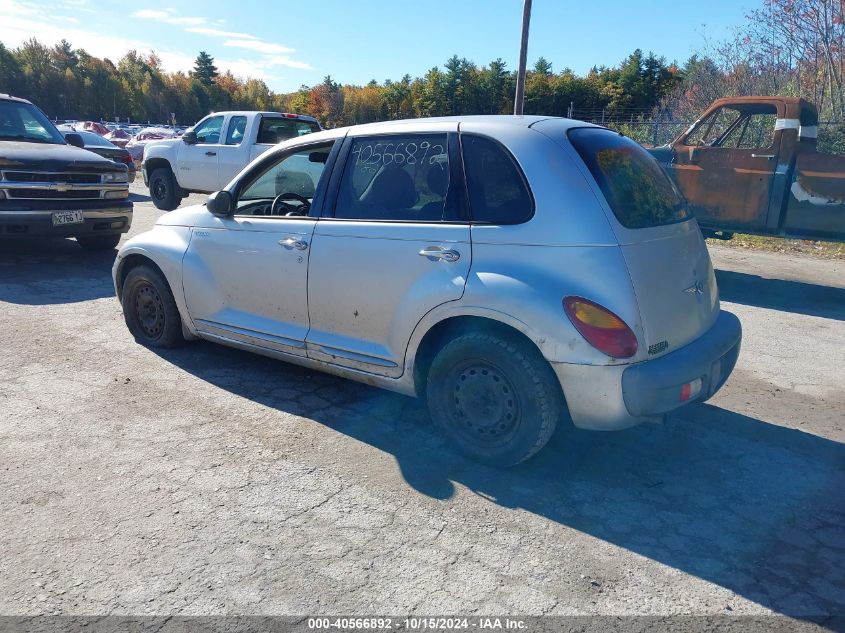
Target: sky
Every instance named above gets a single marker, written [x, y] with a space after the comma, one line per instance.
[288, 44]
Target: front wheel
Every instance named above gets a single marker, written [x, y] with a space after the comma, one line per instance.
[149, 309]
[494, 396]
[99, 242]
[163, 189]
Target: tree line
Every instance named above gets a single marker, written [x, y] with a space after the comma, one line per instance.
[786, 47]
[67, 82]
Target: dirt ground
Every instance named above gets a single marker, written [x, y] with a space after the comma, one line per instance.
[206, 480]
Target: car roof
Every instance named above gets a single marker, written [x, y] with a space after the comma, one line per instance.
[5, 97]
[425, 124]
[287, 115]
[506, 121]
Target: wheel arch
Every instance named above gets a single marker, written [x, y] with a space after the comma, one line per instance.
[167, 261]
[157, 162]
[429, 338]
[134, 260]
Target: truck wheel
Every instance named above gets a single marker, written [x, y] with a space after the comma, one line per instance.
[149, 309]
[494, 396]
[163, 189]
[99, 242]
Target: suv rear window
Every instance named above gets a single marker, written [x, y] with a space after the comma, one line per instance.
[638, 191]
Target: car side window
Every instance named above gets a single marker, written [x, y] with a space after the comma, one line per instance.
[755, 130]
[709, 130]
[498, 193]
[395, 177]
[287, 185]
[237, 127]
[208, 132]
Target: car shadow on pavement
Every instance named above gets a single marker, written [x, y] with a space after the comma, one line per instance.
[139, 197]
[47, 272]
[780, 294]
[751, 506]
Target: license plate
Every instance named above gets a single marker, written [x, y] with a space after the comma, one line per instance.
[63, 218]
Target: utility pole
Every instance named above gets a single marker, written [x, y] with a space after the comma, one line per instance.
[523, 58]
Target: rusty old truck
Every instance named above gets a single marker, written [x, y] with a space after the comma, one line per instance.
[751, 165]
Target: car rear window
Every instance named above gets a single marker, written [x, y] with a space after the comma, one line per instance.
[638, 191]
[274, 130]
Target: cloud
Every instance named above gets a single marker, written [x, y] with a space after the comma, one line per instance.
[258, 45]
[167, 16]
[24, 19]
[286, 61]
[201, 30]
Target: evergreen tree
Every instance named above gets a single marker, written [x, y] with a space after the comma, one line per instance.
[204, 69]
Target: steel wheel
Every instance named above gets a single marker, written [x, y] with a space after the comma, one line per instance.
[484, 403]
[159, 189]
[149, 309]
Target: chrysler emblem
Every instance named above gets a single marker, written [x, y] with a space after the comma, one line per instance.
[697, 288]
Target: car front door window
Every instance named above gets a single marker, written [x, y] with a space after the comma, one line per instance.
[208, 132]
[286, 187]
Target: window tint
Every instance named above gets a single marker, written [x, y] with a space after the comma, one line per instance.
[208, 132]
[497, 191]
[395, 178]
[637, 190]
[237, 126]
[298, 173]
[272, 131]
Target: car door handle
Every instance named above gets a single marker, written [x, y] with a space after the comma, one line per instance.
[211, 153]
[766, 156]
[436, 252]
[292, 242]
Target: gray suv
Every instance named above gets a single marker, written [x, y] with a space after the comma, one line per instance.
[517, 272]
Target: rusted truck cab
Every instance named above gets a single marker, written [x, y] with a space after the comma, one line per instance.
[750, 165]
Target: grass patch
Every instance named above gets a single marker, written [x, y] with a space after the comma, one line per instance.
[826, 250]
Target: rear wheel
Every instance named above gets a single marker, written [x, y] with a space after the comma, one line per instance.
[149, 309]
[99, 242]
[163, 189]
[494, 396]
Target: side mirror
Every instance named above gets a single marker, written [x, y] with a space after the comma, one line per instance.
[189, 137]
[220, 203]
[72, 138]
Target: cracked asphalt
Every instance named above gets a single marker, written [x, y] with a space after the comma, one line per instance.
[206, 480]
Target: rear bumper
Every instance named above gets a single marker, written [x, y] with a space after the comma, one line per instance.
[37, 224]
[618, 396]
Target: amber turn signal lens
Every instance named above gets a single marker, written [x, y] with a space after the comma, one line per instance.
[600, 327]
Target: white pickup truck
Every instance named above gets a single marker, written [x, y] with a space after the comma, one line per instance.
[207, 156]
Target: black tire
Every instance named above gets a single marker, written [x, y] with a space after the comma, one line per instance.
[99, 242]
[164, 191]
[149, 309]
[494, 396]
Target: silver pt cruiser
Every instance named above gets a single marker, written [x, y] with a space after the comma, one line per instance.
[514, 271]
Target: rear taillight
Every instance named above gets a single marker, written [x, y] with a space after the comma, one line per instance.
[603, 330]
[126, 158]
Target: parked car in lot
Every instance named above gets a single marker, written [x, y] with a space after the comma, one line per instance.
[51, 187]
[99, 145]
[514, 271]
[206, 157]
[750, 164]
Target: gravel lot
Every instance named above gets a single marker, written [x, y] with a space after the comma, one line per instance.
[210, 481]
